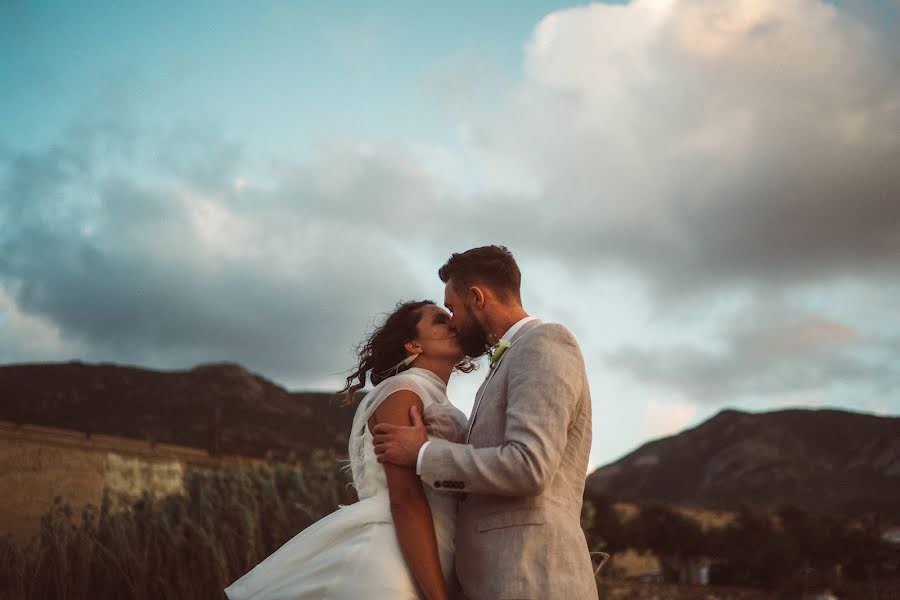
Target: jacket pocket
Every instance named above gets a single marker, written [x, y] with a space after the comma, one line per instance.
[512, 518]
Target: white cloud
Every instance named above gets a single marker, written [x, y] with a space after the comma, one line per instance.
[707, 143]
[716, 149]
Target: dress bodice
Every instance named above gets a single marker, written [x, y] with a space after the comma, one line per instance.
[444, 421]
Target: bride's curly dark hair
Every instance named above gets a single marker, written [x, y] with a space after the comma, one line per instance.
[383, 348]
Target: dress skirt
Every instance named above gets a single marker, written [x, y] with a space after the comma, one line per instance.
[352, 554]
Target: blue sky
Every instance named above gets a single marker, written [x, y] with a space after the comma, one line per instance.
[701, 191]
[352, 69]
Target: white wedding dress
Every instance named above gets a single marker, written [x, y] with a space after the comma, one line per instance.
[353, 553]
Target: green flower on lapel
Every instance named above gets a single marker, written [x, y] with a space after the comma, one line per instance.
[499, 349]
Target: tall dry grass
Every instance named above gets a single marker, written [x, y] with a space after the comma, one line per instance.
[190, 546]
[187, 546]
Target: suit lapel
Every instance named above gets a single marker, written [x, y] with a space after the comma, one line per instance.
[483, 389]
[480, 395]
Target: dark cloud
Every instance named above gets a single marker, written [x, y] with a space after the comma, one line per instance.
[173, 264]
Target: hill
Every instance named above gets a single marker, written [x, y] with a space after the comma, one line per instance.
[823, 460]
[222, 408]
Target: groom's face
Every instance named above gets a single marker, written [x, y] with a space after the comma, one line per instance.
[469, 331]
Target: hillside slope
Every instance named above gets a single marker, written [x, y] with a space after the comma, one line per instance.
[825, 460]
[222, 408]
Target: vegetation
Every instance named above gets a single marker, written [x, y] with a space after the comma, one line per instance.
[181, 546]
[192, 545]
[790, 553]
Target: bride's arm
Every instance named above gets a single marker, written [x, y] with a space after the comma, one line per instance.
[409, 506]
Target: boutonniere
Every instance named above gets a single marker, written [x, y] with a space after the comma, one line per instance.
[501, 347]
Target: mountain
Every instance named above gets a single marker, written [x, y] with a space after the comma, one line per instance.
[219, 407]
[824, 460]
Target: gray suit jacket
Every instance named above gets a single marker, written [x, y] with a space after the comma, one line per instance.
[522, 473]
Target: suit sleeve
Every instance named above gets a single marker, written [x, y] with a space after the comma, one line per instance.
[546, 379]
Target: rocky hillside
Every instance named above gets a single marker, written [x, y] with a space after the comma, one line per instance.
[824, 460]
[222, 408]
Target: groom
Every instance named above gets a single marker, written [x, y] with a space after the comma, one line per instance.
[521, 473]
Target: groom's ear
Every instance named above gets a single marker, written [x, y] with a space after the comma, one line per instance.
[477, 296]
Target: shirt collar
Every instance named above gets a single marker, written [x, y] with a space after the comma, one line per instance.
[516, 327]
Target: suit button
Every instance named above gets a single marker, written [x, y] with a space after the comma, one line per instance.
[437, 484]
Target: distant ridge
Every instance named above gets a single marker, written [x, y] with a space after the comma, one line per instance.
[221, 408]
[823, 460]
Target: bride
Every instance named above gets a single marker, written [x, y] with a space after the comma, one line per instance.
[397, 541]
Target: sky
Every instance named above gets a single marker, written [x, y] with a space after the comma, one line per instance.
[705, 192]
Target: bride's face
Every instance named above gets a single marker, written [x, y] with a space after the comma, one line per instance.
[437, 339]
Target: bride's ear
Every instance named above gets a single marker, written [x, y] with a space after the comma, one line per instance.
[413, 347]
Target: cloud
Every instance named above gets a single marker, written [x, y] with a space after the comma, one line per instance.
[716, 149]
[702, 145]
[122, 243]
[705, 144]
[768, 351]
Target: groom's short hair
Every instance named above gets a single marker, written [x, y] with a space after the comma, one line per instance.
[491, 266]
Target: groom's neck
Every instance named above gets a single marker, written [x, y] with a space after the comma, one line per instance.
[502, 318]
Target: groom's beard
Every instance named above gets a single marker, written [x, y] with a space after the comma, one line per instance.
[472, 339]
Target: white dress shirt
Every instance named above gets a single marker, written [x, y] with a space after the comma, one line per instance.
[506, 336]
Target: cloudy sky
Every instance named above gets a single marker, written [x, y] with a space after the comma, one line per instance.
[706, 192]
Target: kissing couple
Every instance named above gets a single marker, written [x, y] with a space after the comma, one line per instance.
[481, 508]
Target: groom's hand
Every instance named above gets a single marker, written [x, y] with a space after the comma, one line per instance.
[400, 445]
